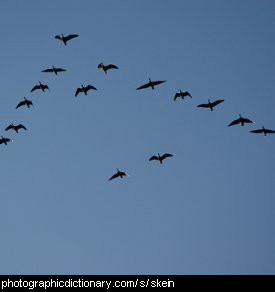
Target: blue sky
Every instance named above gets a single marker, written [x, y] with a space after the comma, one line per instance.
[207, 210]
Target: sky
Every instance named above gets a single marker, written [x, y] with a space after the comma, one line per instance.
[209, 209]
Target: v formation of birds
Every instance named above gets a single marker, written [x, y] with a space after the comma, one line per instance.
[151, 84]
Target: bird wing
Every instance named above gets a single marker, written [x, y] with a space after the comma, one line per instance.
[9, 128]
[154, 157]
[45, 86]
[144, 86]
[35, 88]
[176, 96]
[47, 70]
[20, 126]
[205, 105]
[235, 122]
[88, 87]
[165, 155]
[78, 91]
[21, 103]
[70, 36]
[60, 69]
[158, 82]
[245, 120]
[269, 131]
[114, 176]
[111, 66]
[58, 37]
[186, 93]
[217, 102]
[257, 131]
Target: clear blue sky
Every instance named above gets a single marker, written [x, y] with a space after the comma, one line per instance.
[207, 210]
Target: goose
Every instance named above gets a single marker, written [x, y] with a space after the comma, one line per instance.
[160, 158]
[241, 121]
[151, 84]
[211, 105]
[119, 173]
[16, 128]
[54, 70]
[40, 86]
[4, 140]
[182, 94]
[84, 89]
[26, 102]
[263, 131]
[107, 67]
[64, 39]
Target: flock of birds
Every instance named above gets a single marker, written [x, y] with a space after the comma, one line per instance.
[151, 84]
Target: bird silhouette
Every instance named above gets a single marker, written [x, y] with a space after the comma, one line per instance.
[263, 131]
[84, 89]
[4, 140]
[16, 128]
[182, 94]
[151, 84]
[40, 86]
[25, 102]
[160, 158]
[119, 173]
[54, 70]
[211, 105]
[242, 121]
[65, 39]
[107, 67]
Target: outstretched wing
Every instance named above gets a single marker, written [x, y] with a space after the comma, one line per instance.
[176, 96]
[186, 93]
[165, 155]
[235, 122]
[35, 88]
[58, 37]
[114, 176]
[205, 105]
[269, 131]
[78, 91]
[9, 127]
[153, 158]
[158, 82]
[111, 66]
[20, 126]
[260, 131]
[217, 102]
[47, 70]
[21, 103]
[245, 120]
[60, 70]
[144, 86]
[88, 87]
[70, 36]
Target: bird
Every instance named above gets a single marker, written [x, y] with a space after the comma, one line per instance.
[16, 128]
[26, 102]
[151, 84]
[119, 173]
[64, 39]
[5, 140]
[84, 89]
[241, 121]
[40, 86]
[263, 131]
[211, 105]
[182, 94]
[160, 158]
[54, 70]
[107, 67]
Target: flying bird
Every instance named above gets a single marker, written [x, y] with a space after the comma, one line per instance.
[25, 102]
[160, 158]
[182, 94]
[118, 174]
[54, 70]
[16, 128]
[107, 67]
[64, 39]
[84, 89]
[151, 84]
[241, 121]
[40, 86]
[4, 140]
[263, 131]
[211, 105]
